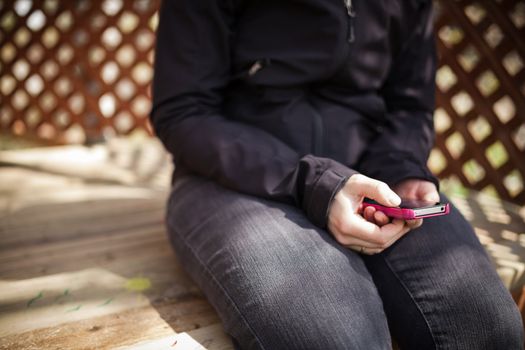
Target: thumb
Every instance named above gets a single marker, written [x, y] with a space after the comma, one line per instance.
[431, 197]
[374, 189]
[428, 192]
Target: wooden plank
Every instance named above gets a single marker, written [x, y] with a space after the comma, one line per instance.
[124, 265]
[79, 208]
[128, 318]
[120, 161]
[77, 227]
[199, 339]
[22, 188]
[69, 252]
[136, 199]
[96, 243]
[129, 257]
[52, 300]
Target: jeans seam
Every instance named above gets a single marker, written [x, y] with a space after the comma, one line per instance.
[411, 297]
[208, 272]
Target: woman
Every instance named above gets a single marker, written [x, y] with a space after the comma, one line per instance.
[282, 115]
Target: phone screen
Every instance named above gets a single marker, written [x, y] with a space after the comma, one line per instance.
[415, 203]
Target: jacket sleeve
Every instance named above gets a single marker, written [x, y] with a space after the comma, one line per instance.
[403, 146]
[191, 72]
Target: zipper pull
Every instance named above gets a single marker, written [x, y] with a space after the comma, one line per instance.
[258, 65]
[255, 68]
[351, 15]
[349, 8]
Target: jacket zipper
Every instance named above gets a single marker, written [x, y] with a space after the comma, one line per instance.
[351, 15]
[318, 133]
[318, 128]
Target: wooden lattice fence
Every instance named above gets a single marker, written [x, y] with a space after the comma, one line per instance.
[480, 118]
[72, 71]
[76, 70]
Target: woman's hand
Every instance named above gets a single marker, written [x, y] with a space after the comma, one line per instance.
[417, 189]
[407, 189]
[351, 229]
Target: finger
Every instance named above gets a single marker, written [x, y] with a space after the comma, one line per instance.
[432, 196]
[381, 218]
[365, 250]
[415, 223]
[368, 214]
[394, 239]
[372, 233]
[370, 246]
[347, 240]
[374, 189]
[361, 228]
[428, 192]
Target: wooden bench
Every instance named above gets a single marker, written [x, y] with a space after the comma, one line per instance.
[85, 261]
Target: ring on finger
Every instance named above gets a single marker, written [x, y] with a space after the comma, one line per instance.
[370, 251]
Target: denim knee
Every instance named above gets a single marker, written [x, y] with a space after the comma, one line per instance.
[494, 322]
[507, 328]
[280, 326]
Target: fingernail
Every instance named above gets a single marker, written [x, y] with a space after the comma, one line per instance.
[431, 198]
[394, 199]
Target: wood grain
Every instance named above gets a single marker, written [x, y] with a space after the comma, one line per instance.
[87, 265]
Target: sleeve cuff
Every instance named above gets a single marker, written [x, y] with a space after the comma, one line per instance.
[318, 198]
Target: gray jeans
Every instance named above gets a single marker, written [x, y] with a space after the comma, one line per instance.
[279, 282]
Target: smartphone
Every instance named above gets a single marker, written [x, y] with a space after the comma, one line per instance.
[410, 209]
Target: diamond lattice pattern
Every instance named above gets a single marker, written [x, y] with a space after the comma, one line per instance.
[77, 71]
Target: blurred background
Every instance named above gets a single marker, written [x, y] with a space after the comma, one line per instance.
[79, 72]
[76, 148]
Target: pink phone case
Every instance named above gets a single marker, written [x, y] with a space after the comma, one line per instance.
[403, 213]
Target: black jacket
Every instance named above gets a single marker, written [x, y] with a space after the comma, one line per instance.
[285, 99]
